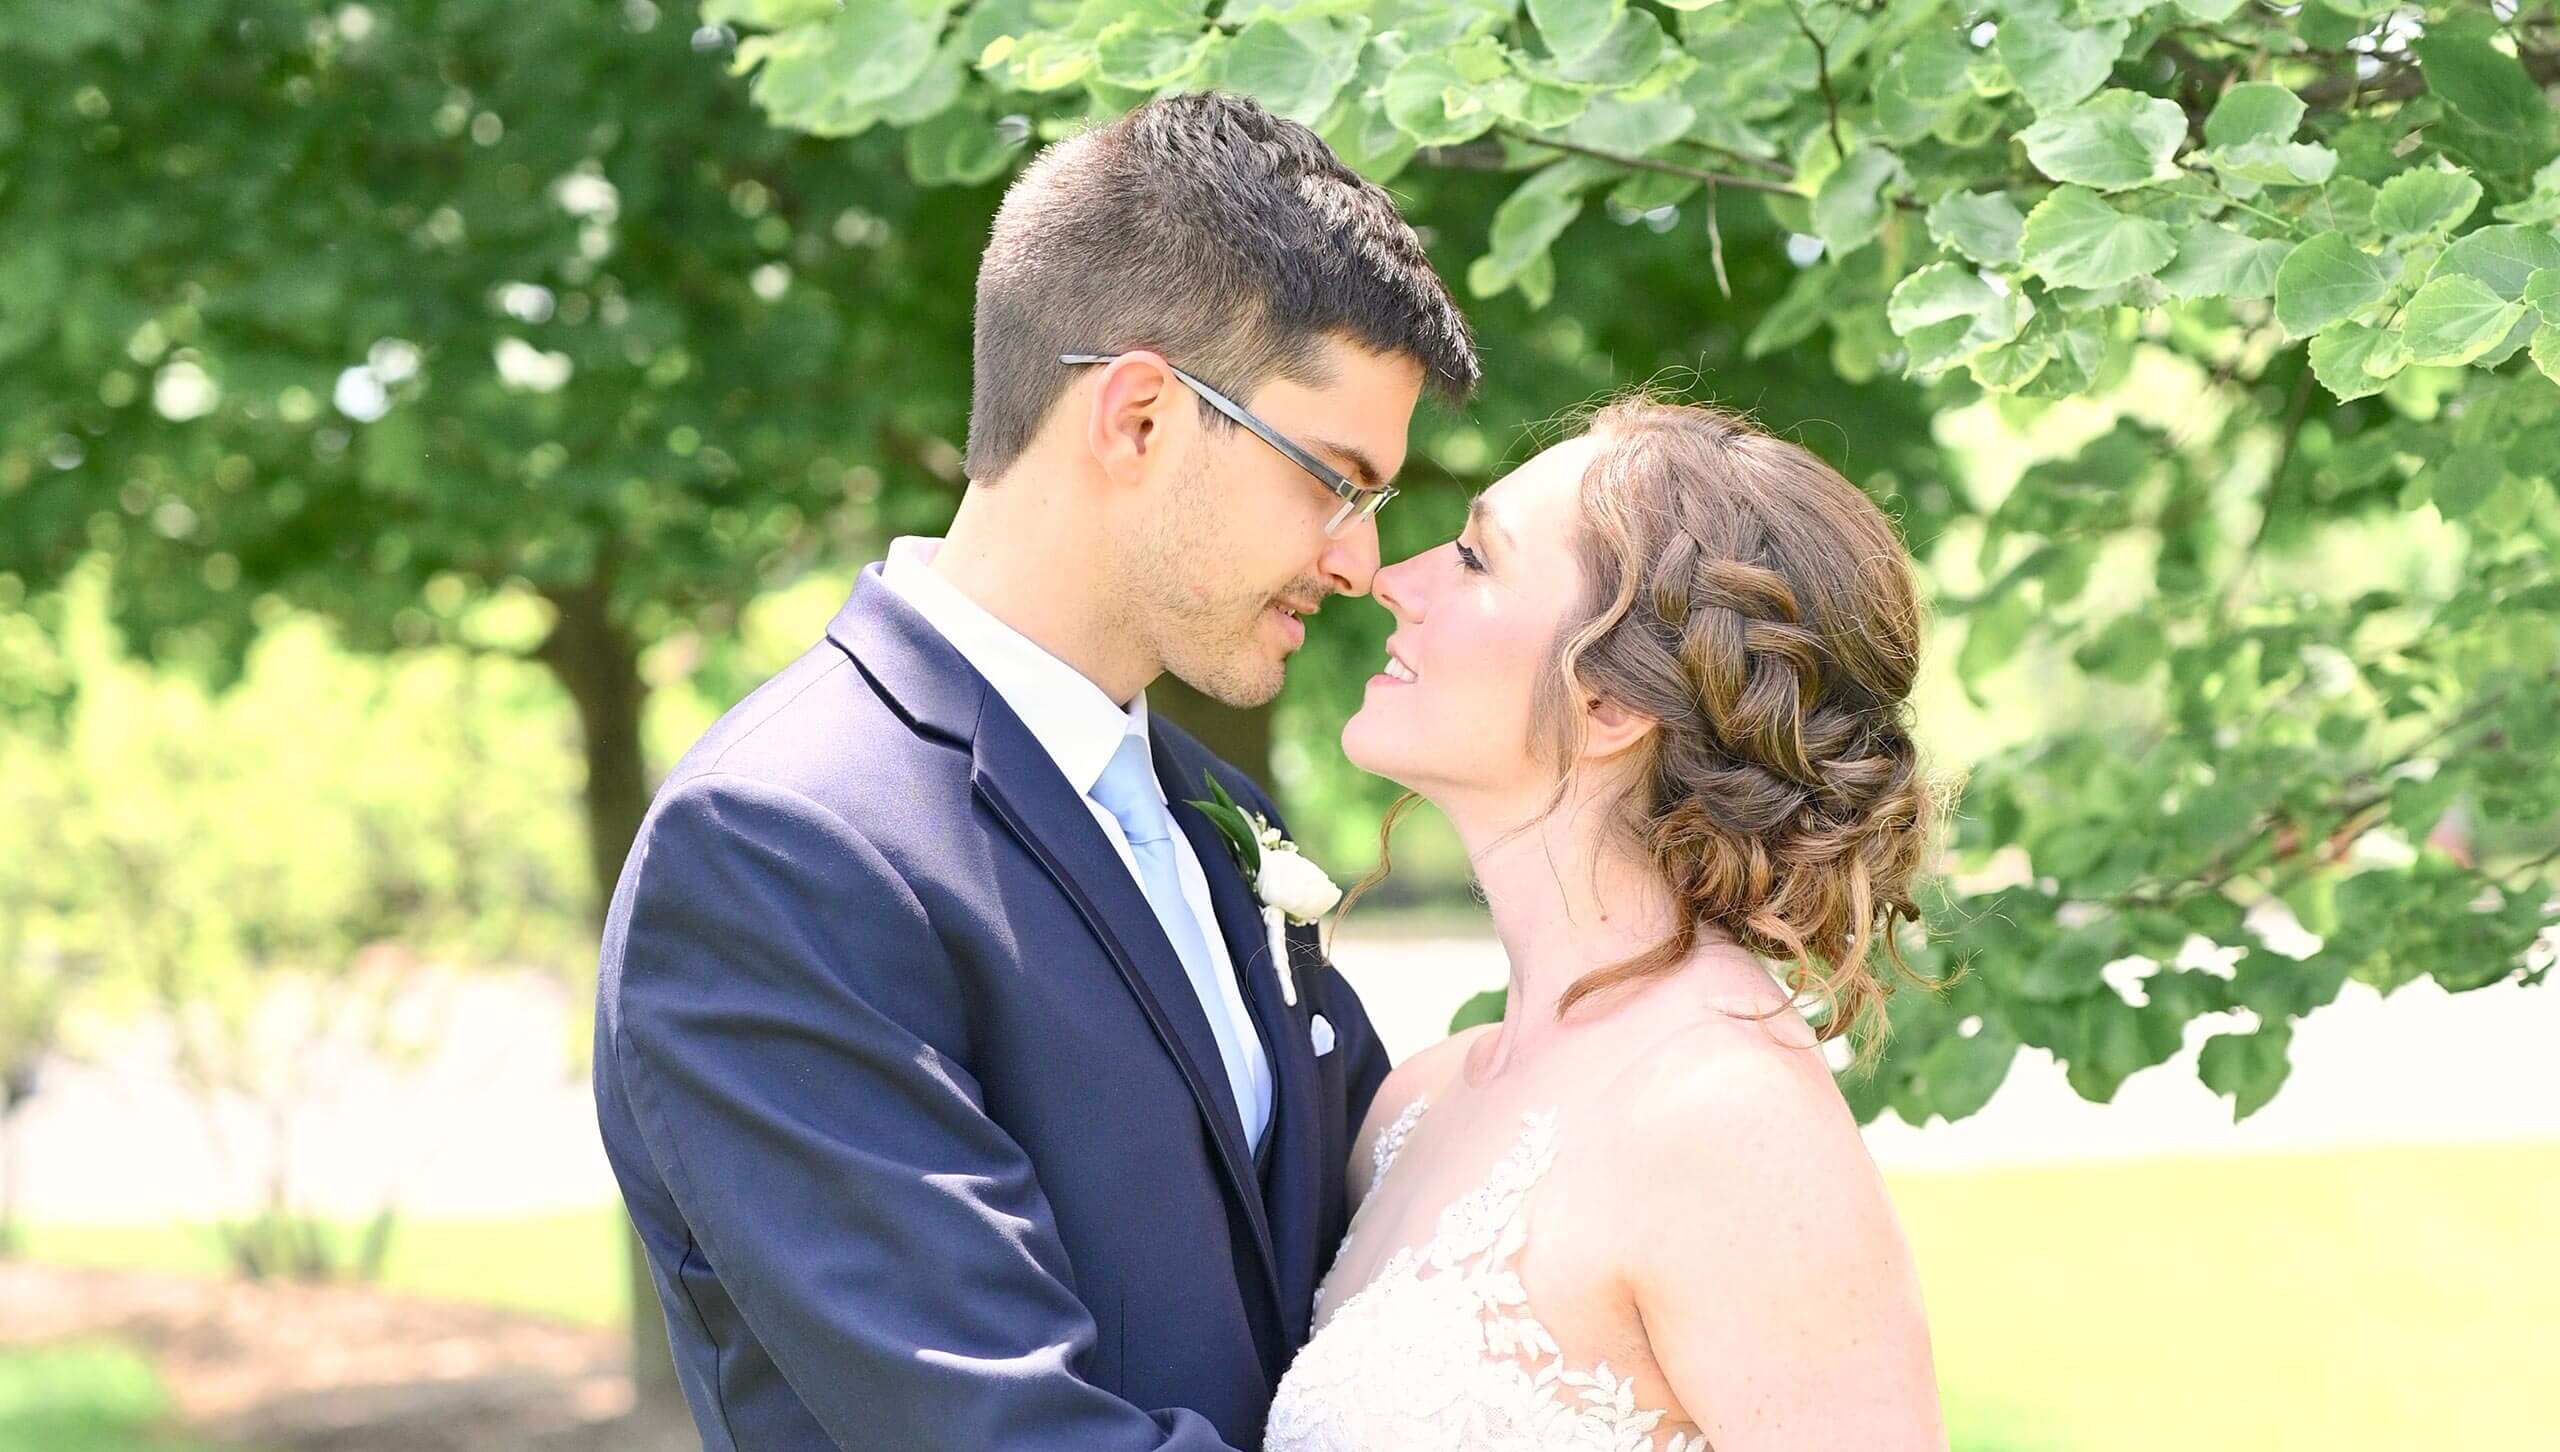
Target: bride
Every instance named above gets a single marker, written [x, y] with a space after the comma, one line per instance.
[1658, 686]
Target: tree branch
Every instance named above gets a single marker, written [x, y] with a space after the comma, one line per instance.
[2295, 411]
[1822, 70]
[1443, 155]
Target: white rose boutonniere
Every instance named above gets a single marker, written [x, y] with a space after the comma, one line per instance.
[1292, 888]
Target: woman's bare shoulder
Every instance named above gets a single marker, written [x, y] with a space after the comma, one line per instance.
[1425, 1074]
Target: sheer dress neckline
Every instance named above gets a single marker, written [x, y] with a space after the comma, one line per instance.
[1440, 1350]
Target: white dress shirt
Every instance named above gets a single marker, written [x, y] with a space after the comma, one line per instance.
[1080, 728]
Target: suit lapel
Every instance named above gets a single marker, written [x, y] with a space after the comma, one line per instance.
[1295, 1172]
[929, 682]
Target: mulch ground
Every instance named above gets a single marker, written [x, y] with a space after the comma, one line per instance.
[289, 1368]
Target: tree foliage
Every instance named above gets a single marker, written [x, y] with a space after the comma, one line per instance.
[2329, 228]
[418, 313]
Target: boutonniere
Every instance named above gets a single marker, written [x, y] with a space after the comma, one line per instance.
[1291, 888]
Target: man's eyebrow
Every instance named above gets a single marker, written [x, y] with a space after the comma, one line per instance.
[1480, 514]
[1363, 471]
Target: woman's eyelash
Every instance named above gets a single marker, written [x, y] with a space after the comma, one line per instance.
[1473, 562]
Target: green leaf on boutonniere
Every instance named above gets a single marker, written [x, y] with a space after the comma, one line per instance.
[1232, 824]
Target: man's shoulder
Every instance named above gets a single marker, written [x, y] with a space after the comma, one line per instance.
[816, 728]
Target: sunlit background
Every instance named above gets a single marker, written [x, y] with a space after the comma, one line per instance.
[418, 422]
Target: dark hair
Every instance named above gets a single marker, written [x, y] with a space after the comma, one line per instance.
[1209, 230]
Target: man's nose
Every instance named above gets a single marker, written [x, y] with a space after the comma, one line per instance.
[1350, 560]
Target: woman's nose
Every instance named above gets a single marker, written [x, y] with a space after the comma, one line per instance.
[1398, 587]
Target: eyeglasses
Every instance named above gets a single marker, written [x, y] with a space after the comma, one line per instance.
[1357, 503]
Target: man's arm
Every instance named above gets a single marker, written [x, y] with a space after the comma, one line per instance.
[791, 1041]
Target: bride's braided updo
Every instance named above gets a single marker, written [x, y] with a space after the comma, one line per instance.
[1756, 605]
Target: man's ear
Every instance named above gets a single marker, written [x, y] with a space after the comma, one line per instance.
[1126, 427]
[1609, 729]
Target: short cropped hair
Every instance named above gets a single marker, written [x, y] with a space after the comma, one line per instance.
[1209, 230]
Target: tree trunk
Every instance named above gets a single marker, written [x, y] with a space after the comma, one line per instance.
[599, 665]
[1239, 735]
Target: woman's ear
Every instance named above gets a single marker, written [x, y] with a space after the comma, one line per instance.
[1609, 729]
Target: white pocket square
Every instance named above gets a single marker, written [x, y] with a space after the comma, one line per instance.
[1320, 1033]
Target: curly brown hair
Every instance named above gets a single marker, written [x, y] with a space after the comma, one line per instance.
[1757, 606]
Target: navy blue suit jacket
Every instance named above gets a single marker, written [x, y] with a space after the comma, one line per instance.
[918, 1117]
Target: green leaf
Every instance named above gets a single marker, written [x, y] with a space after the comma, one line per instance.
[1631, 128]
[1427, 96]
[2057, 63]
[1984, 226]
[2255, 111]
[1992, 635]
[1923, 82]
[1297, 68]
[2248, 1067]
[936, 90]
[2215, 261]
[2542, 204]
[2126, 650]
[2353, 359]
[2417, 202]
[2454, 320]
[2013, 365]
[2480, 81]
[1962, 1073]
[1632, 47]
[1570, 27]
[825, 78]
[2344, 205]
[2074, 239]
[1936, 293]
[2275, 163]
[2463, 480]
[1945, 314]
[1142, 55]
[2542, 293]
[2546, 351]
[2327, 278]
[1233, 823]
[1531, 218]
[1483, 1008]
[766, 14]
[961, 147]
[1849, 209]
[2121, 139]
[1807, 303]
[2504, 257]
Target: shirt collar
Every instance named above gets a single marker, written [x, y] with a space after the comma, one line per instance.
[1072, 719]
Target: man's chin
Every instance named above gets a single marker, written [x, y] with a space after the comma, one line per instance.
[1240, 684]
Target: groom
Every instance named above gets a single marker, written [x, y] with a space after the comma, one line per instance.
[941, 1051]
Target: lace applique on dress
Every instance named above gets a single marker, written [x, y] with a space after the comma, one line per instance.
[1440, 1352]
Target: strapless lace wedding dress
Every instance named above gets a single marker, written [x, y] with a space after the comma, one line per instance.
[1440, 1352]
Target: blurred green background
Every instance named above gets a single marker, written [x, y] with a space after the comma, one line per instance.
[419, 420]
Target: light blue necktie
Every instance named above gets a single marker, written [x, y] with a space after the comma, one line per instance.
[1128, 791]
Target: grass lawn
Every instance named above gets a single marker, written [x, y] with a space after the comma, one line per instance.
[2386, 1299]
[82, 1398]
[2377, 1300]
[568, 1266]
